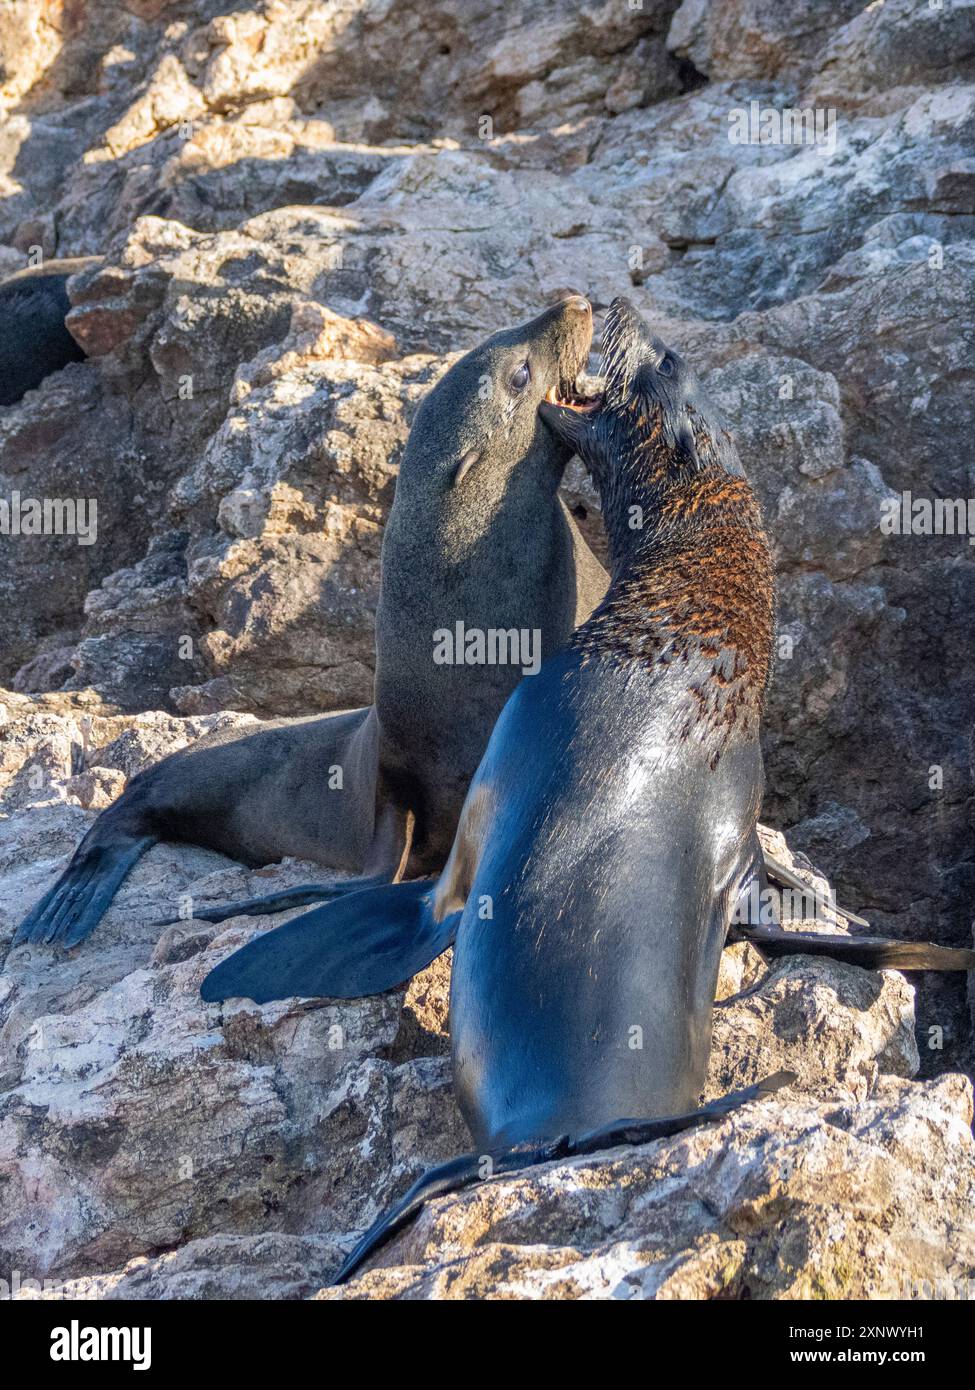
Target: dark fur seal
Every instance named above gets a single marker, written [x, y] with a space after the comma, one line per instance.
[35, 341]
[477, 534]
[611, 826]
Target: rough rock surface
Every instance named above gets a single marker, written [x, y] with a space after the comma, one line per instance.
[152, 1146]
[294, 250]
[788, 1199]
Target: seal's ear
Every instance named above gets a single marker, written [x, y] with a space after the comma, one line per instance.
[685, 445]
[709, 445]
[464, 466]
[728, 454]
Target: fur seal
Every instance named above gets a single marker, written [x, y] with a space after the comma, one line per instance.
[35, 341]
[477, 535]
[610, 829]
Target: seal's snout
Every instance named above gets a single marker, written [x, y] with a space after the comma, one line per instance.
[569, 339]
[572, 313]
[575, 334]
[577, 304]
[571, 318]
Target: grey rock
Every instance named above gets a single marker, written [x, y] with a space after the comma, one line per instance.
[291, 258]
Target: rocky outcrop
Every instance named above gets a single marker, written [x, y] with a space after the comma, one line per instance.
[305, 212]
[793, 1199]
[786, 1200]
[153, 1146]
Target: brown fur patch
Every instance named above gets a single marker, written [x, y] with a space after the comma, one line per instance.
[698, 584]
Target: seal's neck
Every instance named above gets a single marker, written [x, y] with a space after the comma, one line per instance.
[692, 587]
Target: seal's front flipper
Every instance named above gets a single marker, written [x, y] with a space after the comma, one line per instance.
[72, 909]
[364, 943]
[872, 952]
[460, 1172]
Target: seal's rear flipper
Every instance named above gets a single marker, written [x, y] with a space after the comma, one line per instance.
[619, 1132]
[302, 895]
[385, 862]
[872, 952]
[786, 878]
[362, 944]
[460, 1172]
[72, 909]
[452, 1176]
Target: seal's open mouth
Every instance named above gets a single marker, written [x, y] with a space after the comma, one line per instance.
[571, 398]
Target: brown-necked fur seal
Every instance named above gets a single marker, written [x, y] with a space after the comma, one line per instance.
[477, 534]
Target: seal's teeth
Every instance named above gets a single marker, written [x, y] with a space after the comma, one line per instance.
[552, 395]
[583, 405]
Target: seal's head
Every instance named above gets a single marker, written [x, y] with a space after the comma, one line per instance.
[653, 425]
[692, 574]
[479, 428]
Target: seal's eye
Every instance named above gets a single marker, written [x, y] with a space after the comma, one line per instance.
[665, 367]
[521, 377]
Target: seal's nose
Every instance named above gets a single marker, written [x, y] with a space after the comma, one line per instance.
[577, 303]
